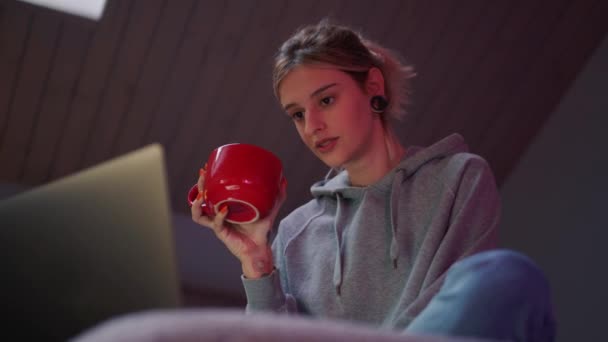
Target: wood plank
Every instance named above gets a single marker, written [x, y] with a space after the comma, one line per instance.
[199, 130]
[256, 65]
[436, 67]
[558, 63]
[405, 29]
[353, 14]
[491, 74]
[154, 78]
[15, 31]
[124, 79]
[424, 111]
[381, 18]
[61, 88]
[183, 83]
[402, 26]
[435, 20]
[243, 61]
[31, 86]
[511, 66]
[183, 87]
[92, 85]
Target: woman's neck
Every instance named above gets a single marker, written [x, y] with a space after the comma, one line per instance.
[379, 160]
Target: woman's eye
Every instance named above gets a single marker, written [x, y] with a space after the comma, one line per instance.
[297, 116]
[327, 100]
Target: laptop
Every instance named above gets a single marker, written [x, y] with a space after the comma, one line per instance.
[88, 247]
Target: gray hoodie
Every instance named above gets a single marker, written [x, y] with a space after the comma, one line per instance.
[378, 254]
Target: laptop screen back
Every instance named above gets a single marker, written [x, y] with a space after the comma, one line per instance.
[89, 247]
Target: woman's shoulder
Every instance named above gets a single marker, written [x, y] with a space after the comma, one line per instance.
[450, 153]
[461, 161]
[447, 161]
[463, 171]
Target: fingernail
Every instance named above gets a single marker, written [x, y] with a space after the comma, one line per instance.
[199, 196]
[223, 209]
[201, 172]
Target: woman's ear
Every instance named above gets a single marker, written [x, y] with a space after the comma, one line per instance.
[374, 85]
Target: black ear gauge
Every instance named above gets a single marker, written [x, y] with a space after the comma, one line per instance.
[378, 104]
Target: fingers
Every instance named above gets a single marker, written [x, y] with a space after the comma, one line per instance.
[218, 220]
[201, 179]
[196, 210]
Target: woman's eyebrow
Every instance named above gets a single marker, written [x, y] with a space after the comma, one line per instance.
[313, 94]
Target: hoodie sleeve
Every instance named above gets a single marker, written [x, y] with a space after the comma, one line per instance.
[475, 214]
[471, 222]
[266, 293]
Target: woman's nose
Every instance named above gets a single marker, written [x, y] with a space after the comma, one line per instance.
[314, 122]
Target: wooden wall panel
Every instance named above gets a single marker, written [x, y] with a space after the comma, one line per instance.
[454, 74]
[496, 68]
[556, 67]
[459, 27]
[196, 74]
[429, 29]
[199, 130]
[386, 13]
[30, 88]
[126, 74]
[92, 85]
[187, 73]
[155, 74]
[15, 29]
[516, 64]
[54, 108]
[251, 49]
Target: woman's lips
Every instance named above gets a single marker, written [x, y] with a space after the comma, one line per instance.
[326, 145]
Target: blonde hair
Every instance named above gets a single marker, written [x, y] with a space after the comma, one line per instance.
[339, 46]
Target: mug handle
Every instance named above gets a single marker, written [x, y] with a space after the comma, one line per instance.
[207, 210]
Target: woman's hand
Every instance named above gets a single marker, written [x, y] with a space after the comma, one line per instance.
[248, 242]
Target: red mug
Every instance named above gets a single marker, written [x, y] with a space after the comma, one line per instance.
[246, 178]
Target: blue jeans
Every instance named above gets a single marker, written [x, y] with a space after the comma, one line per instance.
[497, 294]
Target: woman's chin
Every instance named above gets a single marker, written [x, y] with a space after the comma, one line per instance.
[330, 159]
[331, 163]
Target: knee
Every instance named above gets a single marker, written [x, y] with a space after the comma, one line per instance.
[501, 272]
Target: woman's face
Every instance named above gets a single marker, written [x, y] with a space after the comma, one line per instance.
[331, 113]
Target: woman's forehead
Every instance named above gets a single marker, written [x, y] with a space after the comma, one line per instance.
[304, 80]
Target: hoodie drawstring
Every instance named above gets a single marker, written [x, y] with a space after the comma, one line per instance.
[394, 248]
[338, 266]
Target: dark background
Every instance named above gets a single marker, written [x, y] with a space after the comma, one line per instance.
[194, 75]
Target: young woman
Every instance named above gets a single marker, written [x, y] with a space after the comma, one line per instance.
[395, 237]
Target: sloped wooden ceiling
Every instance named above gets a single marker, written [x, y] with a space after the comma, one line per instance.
[194, 75]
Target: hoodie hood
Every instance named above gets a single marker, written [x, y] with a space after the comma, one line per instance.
[336, 186]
